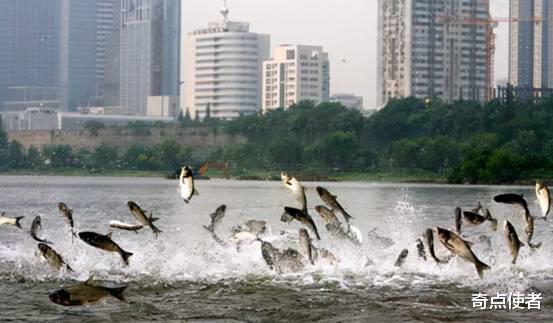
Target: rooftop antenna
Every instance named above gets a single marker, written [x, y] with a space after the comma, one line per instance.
[224, 12]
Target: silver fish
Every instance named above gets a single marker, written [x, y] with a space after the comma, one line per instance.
[420, 249]
[281, 261]
[529, 230]
[512, 240]
[297, 189]
[401, 258]
[216, 218]
[332, 202]
[461, 248]
[53, 258]
[13, 221]
[105, 243]
[328, 215]
[458, 220]
[544, 198]
[186, 184]
[126, 226]
[67, 213]
[302, 216]
[35, 227]
[141, 217]
[86, 293]
[306, 248]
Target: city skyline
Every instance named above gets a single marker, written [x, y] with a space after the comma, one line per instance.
[354, 66]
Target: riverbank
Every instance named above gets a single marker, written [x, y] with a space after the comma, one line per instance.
[421, 177]
[314, 176]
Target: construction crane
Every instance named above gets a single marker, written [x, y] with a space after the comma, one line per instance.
[490, 24]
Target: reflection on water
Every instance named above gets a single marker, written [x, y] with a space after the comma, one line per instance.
[184, 274]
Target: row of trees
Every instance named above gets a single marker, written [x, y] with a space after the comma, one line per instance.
[167, 156]
[464, 141]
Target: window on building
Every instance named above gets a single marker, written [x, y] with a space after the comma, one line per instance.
[290, 54]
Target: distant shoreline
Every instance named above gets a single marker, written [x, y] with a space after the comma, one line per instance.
[379, 177]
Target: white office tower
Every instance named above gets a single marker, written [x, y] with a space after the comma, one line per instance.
[222, 70]
[434, 48]
[295, 73]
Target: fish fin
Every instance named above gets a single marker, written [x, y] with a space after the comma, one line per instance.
[208, 228]
[3, 214]
[152, 219]
[196, 192]
[109, 234]
[118, 293]
[186, 200]
[17, 219]
[125, 255]
[69, 268]
[155, 230]
[521, 244]
[469, 243]
[480, 267]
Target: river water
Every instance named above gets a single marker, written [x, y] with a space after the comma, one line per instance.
[185, 275]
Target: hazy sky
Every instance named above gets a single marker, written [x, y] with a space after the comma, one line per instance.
[347, 29]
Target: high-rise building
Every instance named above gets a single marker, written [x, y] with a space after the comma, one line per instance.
[149, 53]
[52, 53]
[222, 70]
[29, 53]
[434, 48]
[110, 88]
[295, 73]
[78, 53]
[531, 44]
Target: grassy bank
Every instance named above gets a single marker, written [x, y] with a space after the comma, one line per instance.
[86, 172]
[399, 177]
[264, 175]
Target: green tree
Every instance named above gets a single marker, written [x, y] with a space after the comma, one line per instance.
[34, 158]
[337, 150]
[169, 155]
[58, 156]
[3, 148]
[105, 157]
[16, 155]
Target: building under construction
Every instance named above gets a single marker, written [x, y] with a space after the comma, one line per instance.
[435, 48]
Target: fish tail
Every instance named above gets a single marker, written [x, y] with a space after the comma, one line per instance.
[118, 293]
[125, 255]
[156, 230]
[316, 233]
[480, 267]
[17, 223]
[346, 215]
[45, 241]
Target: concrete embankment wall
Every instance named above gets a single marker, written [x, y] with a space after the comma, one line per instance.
[122, 138]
